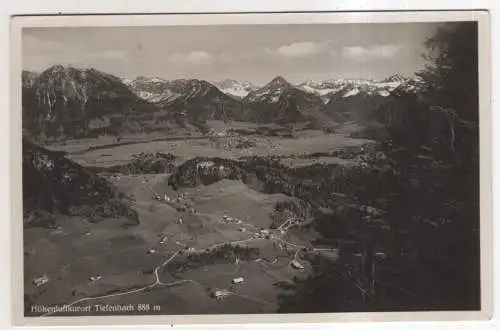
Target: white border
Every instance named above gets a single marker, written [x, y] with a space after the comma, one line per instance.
[17, 23]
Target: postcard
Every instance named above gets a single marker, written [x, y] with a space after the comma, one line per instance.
[244, 168]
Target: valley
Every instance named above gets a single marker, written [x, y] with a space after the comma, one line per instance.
[217, 186]
[202, 237]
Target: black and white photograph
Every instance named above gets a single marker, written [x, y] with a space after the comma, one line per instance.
[213, 169]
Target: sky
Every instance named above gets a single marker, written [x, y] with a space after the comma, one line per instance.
[254, 53]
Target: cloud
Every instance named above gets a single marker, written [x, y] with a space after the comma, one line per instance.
[199, 57]
[363, 53]
[194, 57]
[301, 49]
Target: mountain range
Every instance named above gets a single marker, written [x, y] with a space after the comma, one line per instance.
[68, 102]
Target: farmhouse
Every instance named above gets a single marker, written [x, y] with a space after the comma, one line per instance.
[40, 280]
[220, 294]
[237, 280]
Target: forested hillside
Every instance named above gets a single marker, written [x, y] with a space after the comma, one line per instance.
[423, 253]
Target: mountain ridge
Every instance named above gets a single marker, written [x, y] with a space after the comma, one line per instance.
[72, 102]
[66, 102]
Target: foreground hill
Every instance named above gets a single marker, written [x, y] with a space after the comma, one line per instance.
[53, 184]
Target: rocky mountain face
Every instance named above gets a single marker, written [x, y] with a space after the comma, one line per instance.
[68, 102]
[53, 184]
[28, 78]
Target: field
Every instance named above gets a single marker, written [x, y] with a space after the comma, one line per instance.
[105, 152]
[163, 261]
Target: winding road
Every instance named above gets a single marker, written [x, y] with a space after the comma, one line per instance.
[157, 281]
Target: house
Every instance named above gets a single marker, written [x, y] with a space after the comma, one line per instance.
[237, 280]
[166, 198]
[295, 264]
[179, 221]
[151, 251]
[242, 229]
[40, 280]
[95, 278]
[163, 240]
[220, 294]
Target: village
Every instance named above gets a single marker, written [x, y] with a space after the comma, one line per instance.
[180, 202]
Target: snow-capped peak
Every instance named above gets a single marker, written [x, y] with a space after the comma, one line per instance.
[270, 92]
[151, 89]
[235, 88]
[395, 78]
[279, 82]
[350, 87]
